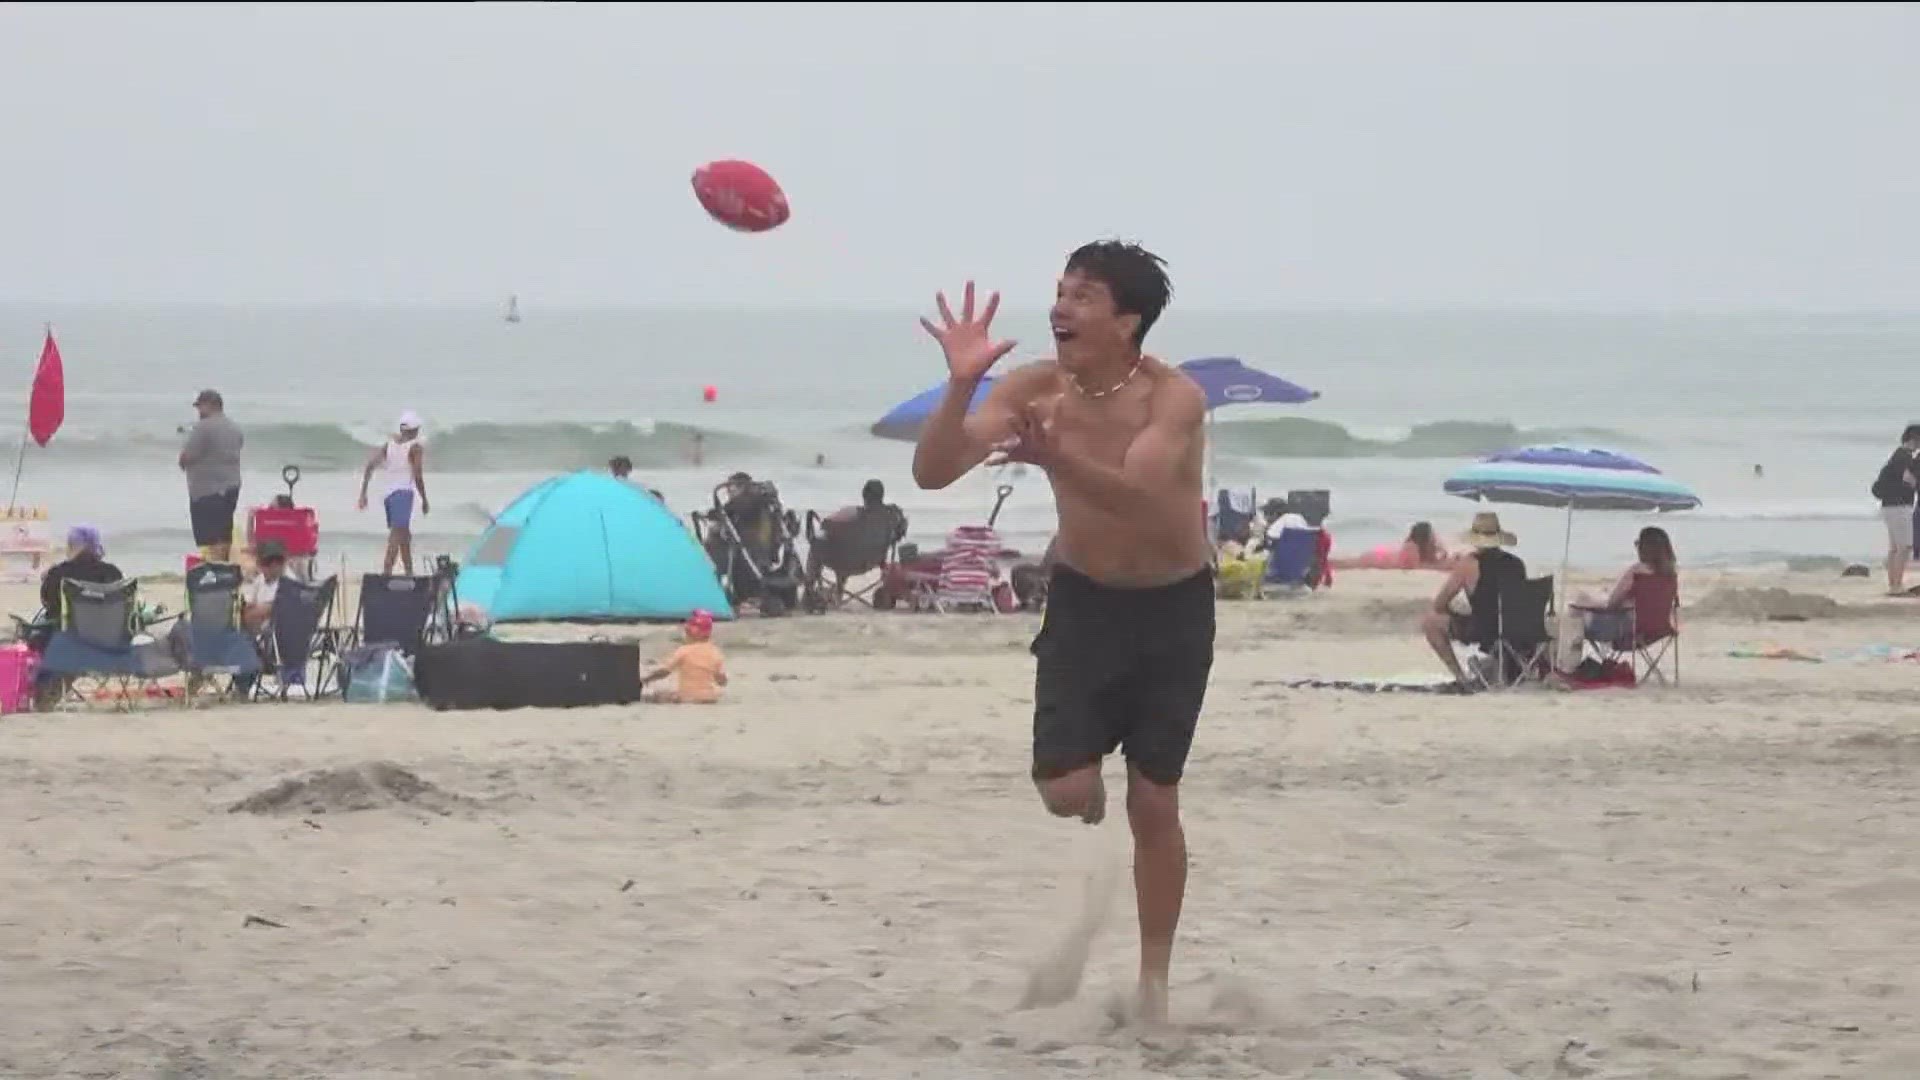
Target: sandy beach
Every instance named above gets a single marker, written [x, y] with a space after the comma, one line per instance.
[842, 871]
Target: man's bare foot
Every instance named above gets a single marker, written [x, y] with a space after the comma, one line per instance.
[1096, 810]
[1150, 1001]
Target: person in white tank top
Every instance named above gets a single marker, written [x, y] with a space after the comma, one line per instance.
[400, 463]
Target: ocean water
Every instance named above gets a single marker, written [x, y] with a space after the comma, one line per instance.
[1817, 401]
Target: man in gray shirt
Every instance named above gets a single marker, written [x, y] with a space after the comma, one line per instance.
[211, 460]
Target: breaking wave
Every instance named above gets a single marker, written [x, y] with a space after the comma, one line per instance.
[1297, 437]
[460, 448]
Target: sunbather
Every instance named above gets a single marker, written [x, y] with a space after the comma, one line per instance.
[1421, 550]
[698, 666]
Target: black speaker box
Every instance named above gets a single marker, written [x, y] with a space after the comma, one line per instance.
[480, 673]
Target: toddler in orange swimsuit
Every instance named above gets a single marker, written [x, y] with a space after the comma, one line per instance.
[697, 665]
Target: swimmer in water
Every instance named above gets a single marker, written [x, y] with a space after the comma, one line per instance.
[1124, 652]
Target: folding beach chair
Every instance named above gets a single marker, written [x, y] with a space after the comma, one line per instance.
[1522, 646]
[94, 648]
[401, 612]
[1293, 563]
[1644, 631]
[211, 647]
[301, 647]
[847, 549]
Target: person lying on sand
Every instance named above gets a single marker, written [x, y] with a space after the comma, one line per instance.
[698, 665]
[1419, 551]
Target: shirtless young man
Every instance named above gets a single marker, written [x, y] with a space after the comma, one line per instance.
[1123, 655]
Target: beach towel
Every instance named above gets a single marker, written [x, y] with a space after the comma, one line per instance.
[1769, 651]
[1369, 686]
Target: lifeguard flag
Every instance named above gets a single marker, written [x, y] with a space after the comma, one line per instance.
[48, 405]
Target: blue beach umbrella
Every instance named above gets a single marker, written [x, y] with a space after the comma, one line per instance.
[1573, 478]
[1228, 381]
[905, 420]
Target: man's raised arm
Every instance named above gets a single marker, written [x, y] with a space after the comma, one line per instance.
[953, 442]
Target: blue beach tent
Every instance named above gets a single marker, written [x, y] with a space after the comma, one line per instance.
[588, 546]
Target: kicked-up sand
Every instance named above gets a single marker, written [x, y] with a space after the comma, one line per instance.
[843, 872]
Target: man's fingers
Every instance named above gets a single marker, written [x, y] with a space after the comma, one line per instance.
[1003, 348]
[931, 329]
[966, 304]
[946, 313]
[993, 305]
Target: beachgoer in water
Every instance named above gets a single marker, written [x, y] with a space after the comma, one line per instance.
[1124, 651]
[400, 463]
[211, 460]
[1895, 487]
[621, 467]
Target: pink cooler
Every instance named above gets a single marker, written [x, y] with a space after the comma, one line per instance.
[17, 666]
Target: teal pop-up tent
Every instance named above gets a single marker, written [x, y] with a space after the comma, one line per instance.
[588, 546]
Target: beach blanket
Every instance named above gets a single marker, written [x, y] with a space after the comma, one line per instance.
[1884, 653]
[1368, 686]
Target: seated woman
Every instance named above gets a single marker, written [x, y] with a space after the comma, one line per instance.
[86, 561]
[698, 665]
[1639, 610]
[1419, 551]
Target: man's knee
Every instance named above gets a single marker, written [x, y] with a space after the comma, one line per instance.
[1070, 793]
[1153, 808]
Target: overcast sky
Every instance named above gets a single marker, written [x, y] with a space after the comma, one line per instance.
[1280, 156]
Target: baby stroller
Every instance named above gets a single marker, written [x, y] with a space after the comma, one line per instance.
[749, 536]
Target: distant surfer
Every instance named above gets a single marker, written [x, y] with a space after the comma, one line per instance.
[401, 464]
[1124, 652]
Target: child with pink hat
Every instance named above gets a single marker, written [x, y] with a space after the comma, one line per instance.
[699, 668]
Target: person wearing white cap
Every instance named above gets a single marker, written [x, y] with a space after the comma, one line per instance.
[400, 463]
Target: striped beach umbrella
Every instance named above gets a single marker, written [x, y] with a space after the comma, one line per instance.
[1573, 478]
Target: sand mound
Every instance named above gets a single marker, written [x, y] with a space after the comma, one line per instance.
[368, 786]
[1775, 604]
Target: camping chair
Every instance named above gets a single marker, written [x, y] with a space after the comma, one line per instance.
[399, 611]
[969, 570]
[300, 645]
[848, 548]
[1522, 644]
[1292, 563]
[1233, 516]
[1644, 631]
[94, 645]
[210, 645]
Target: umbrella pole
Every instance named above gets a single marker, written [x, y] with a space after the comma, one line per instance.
[1566, 557]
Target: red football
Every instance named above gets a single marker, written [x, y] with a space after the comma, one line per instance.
[740, 195]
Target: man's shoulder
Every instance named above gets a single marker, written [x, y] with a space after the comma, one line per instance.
[1176, 389]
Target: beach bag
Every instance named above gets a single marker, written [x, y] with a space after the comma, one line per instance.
[376, 674]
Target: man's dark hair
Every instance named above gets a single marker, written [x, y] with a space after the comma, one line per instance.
[620, 465]
[873, 493]
[1136, 277]
[1912, 434]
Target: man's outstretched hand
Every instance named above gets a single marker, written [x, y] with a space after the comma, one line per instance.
[970, 349]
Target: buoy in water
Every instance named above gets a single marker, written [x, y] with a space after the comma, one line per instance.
[709, 393]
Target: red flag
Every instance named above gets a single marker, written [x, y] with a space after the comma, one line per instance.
[48, 405]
